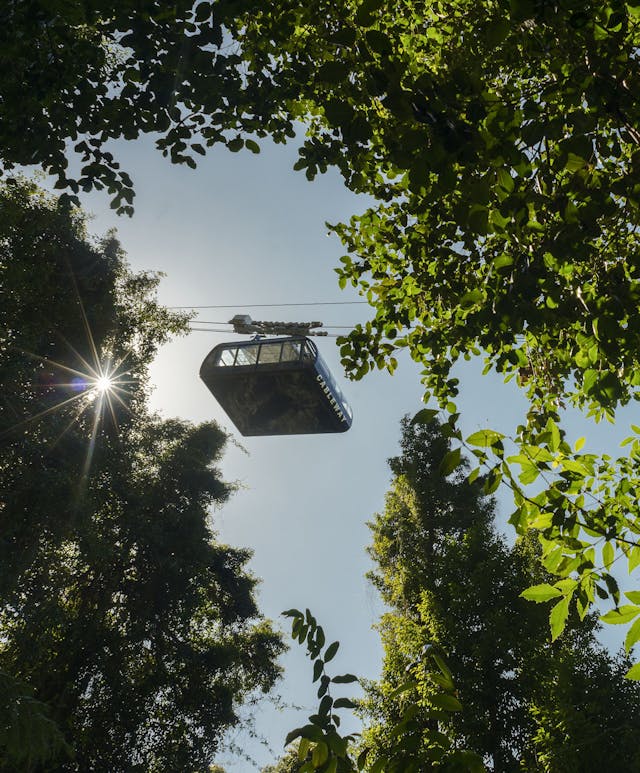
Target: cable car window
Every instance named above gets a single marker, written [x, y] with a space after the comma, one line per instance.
[290, 351]
[247, 355]
[309, 352]
[227, 357]
[269, 352]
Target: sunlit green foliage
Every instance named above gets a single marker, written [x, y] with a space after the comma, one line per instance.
[450, 581]
[135, 631]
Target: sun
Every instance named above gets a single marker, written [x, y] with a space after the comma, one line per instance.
[104, 384]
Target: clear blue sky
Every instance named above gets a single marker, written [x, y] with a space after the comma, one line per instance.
[245, 229]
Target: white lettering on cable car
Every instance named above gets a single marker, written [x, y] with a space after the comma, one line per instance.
[332, 400]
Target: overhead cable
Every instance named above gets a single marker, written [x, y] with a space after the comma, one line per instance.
[270, 305]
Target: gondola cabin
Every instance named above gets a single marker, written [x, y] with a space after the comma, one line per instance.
[277, 386]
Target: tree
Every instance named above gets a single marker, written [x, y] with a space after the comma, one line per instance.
[136, 629]
[76, 76]
[451, 582]
[28, 736]
[320, 746]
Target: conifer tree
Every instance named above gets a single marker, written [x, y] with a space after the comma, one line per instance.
[451, 581]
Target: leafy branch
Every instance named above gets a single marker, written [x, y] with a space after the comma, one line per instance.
[322, 748]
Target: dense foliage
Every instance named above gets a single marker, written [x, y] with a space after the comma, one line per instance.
[74, 76]
[134, 631]
[450, 581]
[499, 142]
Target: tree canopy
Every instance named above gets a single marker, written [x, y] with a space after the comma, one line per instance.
[75, 76]
[499, 142]
[450, 581]
[133, 629]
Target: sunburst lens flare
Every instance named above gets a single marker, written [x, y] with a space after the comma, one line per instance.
[104, 384]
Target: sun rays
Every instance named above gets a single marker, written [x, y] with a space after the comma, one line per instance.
[98, 388]
[88, 392]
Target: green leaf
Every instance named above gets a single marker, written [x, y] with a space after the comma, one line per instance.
[575, 163]
[378, 42]
[344, 679]
[608, 554]
[471, 299]
[558, 617]
[444, 668]
[445, 702]
[333, 72]
[425, 416]
[529, 474]
[540, 593]
[633, 634]
[442, 681]
[633, 673]
[235, 144]
[325, 705]
[633, 558]
[303, 748]
[552, 428]
[484, 438]
[505, 180]
[325, 681]
[338, 112]
[331, 650]
[633, 596]
[320, 754]
[291, 736]
[493, 480]
[318, 668]
[404, 687]
[621, 615]
[344, 703]
[503, 261]
[452, 459]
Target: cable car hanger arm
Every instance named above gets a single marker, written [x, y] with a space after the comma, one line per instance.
[243, 324]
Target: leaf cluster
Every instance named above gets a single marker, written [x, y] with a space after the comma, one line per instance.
[321, 747]
[74, 77]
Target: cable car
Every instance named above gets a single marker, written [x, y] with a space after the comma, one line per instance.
[276, 386]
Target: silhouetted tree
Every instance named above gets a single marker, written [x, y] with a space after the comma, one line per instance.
[118, 608]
